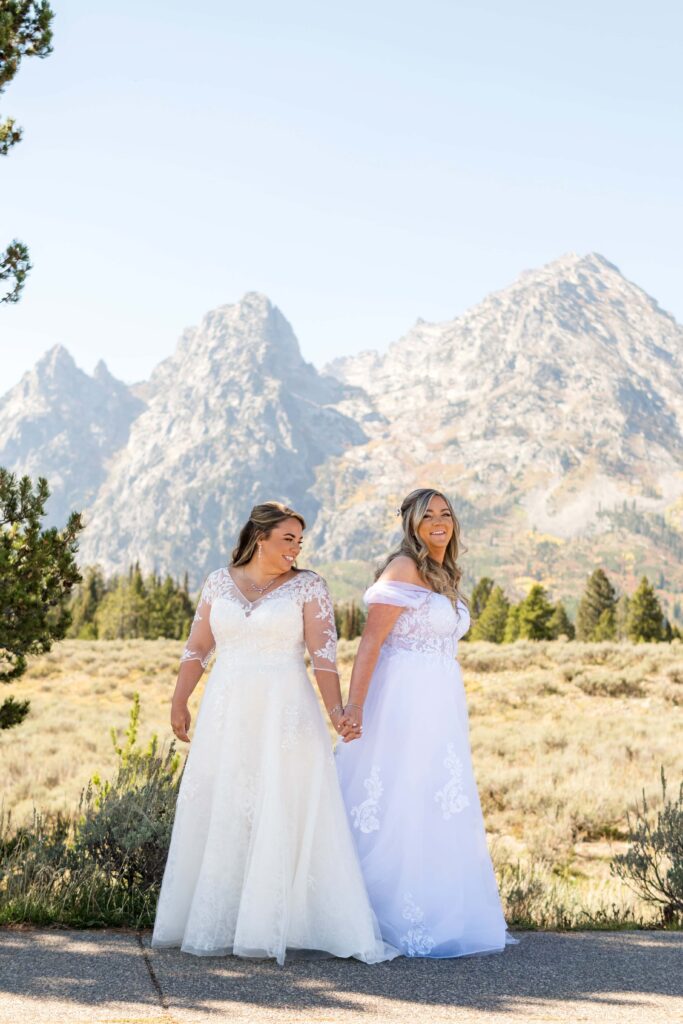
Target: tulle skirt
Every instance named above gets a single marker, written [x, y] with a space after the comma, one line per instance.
[261, 861]
[415, 814]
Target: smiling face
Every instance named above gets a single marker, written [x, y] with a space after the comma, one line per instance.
[281, 547]
[436, 527]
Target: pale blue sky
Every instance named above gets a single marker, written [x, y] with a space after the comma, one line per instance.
[362, 163]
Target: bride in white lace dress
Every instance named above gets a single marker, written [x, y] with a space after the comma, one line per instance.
[261, 860]
[408, 783]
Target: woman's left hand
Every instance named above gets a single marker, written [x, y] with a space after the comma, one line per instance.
[342, 725]
[353, 723]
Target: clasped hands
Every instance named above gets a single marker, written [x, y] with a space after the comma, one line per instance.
[348, 722]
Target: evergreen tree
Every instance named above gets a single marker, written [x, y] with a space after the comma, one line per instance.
[357, 619]
[621, 617]
[535, 613]
[491, 623]
[37, 572]
[349, 620]
[645, 618]
[170, 609]
[86, 600]
[25, 31]
[512, 625]
[123, 613]
[606, 628]
[598, 597]
[480, 595]
[560, 624]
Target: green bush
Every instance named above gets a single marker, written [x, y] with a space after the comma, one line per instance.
[653, 866]
[104, 866]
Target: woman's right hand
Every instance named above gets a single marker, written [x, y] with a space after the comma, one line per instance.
[180, 721]
[353, 723]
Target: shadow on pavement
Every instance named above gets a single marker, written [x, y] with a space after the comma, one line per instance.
[95, 967]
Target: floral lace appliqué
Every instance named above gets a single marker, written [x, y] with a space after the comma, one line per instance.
[433, 627]
[417, 941]
[452, 797]
[365, 814]
[312, 588]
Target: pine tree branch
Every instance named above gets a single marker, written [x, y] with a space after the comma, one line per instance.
[9, 135]
[25, 31]
[14, 264]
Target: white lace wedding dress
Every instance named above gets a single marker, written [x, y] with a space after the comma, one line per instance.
[410, 792]
[261, 860]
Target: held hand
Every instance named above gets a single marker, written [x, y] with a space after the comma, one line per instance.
[180, 722]
[352, 728]
[337, 718]
[342, 724]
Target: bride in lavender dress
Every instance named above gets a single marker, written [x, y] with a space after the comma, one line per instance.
[408, 783]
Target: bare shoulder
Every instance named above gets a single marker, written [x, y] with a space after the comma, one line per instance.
[402, 569]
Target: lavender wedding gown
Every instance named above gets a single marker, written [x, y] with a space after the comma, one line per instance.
[261, 861]
[410, 792]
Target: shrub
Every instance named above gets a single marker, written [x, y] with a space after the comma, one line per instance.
[125, 826]
[105, 866]
[653, 866]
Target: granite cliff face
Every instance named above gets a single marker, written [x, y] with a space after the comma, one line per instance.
[235, 416]
[549, 402]
[60, 423]
[552, 412]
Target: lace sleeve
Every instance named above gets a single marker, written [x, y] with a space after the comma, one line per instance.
[200, 643]
[320, 633]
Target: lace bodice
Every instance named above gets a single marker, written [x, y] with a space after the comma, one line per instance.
[429, 623]
[294, 616]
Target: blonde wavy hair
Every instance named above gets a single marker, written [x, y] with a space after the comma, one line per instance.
[260, 523]
[445, 578]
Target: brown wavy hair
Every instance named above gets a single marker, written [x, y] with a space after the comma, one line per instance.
[259, 525]
[445, 578]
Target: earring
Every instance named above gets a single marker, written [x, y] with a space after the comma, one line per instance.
[260, 553]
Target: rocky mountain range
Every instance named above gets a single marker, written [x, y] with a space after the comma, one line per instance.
[552, 412]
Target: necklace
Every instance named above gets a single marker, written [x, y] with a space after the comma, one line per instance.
[255, 586]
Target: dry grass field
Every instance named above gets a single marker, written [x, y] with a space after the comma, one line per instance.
[564, 735]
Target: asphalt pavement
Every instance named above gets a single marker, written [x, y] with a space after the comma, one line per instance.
[112, 977]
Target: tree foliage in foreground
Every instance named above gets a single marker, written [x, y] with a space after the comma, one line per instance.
[37, 571]
[25, 31]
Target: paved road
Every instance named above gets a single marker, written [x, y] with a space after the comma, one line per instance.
[114, 978]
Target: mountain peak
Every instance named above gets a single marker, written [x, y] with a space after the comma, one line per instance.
[570, 264]
[57, 359]
[102, 374]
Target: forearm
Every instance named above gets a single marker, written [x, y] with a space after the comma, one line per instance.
[363, 668]
[330, 689]
[189, 675]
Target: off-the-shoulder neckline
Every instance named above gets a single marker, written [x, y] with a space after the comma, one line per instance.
[416, 586]
[402, 583]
